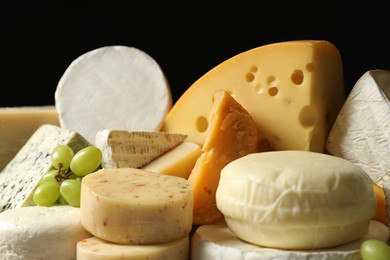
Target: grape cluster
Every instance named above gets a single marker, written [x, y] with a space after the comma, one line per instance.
[62, 184]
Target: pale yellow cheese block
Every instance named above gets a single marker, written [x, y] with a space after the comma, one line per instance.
[134, 206]
[177, 162]
[98, 249]
[293, 90]
[17, 124]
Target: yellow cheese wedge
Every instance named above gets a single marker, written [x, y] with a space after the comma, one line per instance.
[232, 134]
[179, 161]
[96, 248]
[293, 90]
[17, 126]
[133, 206]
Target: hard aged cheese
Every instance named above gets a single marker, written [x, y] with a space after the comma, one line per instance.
[296, 199]
[37, 232]
[294, 85]
[216, 241]
[133, 206]
[134, 149]
[361, 132]
[17, 124]
[20, 177]
[98, 249]
[232, 134]
[113, 87]
[179, 161]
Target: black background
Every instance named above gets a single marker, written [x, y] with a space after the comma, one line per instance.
[39, 40]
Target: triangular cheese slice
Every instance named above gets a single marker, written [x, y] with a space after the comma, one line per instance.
[121, 148]
[232, 133]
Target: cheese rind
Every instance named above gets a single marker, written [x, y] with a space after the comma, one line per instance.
[20, 177]
[179, 161]
[133, 206]
[296, 199]
[17, 126]
[38, 232]
[361, 132]
[134, 149]
[98, 249]
[294, 85]
[216, 241]
[113, 87]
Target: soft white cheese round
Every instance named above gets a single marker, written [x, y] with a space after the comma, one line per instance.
[113, 87]
[296, 199]
[37, 232]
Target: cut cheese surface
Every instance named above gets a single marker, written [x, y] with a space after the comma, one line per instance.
[294, 85]
[20, 177]
[178, 161]
[133, 206]
[41, 232]
[216, 241]
[361, 132]
[113, 87]
[17, 126]
[296, 199]
[134, 149]
[98, 249]
[232, 134]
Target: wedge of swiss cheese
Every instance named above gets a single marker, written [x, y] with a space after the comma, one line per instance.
[293, 90]
[232, 134]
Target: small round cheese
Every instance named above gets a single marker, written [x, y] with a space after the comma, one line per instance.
[134, 206]
[38, 232]
[296, 199]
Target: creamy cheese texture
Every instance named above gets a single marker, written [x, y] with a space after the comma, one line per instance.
[98, 249]
[293, 90]
[17, 126]
[20, 177]
[361, 132]
[296, 199]
[113, 87]
[123, 149]
[216, 241]
[134, 206]
[36, 233]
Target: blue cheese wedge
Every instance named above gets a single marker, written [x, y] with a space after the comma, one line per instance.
[361, 132]
[20, 177]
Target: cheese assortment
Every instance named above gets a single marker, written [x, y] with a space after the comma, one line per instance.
[361, 132]
[37, 232]
[134, 206]
[122, 149]
[296, 199]
[237, 168]
[294, 85]
[17, 126]
[112, 87]
[21, 176]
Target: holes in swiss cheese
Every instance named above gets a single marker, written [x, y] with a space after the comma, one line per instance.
[308, 116]
[201, 124]
[272, 86]
[297, 77]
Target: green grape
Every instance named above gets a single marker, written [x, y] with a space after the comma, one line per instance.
[61, 156]
[46, 193]
[70, 190]
[86, 160]
[75, 177]
[61, 201]
[373, 249]
[49, 176]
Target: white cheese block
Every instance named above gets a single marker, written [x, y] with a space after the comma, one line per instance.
[134, 149]
[17, 126]
[20, 177]
[113, 87]
[134, 206]
[361, 132]
[36, 233]
[98, 249]
[216, 241]
[296, 199]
